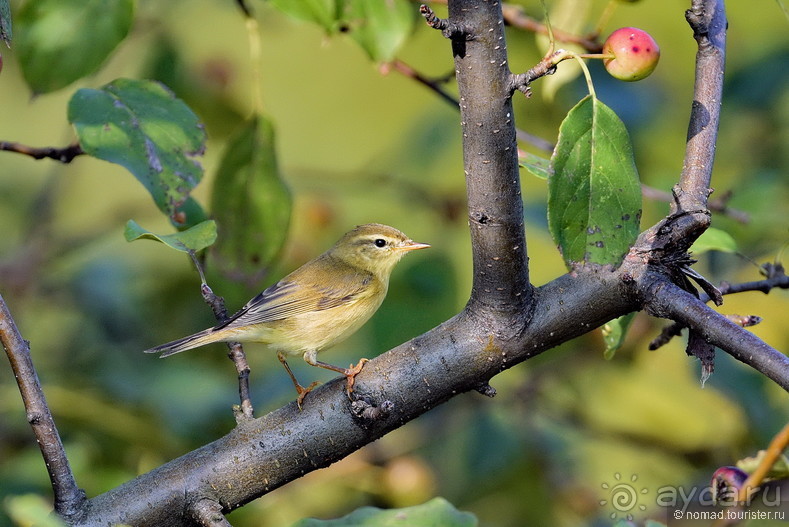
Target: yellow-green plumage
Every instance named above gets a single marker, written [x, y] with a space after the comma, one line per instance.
[319, 304]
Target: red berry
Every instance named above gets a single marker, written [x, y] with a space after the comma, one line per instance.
[635, 54]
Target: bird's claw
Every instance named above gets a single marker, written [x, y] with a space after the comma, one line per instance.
[351, 373]
[302, 391]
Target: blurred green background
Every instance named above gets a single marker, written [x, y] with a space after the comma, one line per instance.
[357, 144]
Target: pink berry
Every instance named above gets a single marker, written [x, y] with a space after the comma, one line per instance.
[635, 54]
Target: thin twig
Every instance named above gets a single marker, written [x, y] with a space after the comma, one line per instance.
[208, 513]
[245, 9]
[236, 353]
[522, 81]
[64, 155]
[69, 498]
[771, 456]
[516, 16]
[752, 483]
[435, 85]
[448, 28]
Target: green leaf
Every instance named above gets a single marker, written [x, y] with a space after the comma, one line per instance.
[594, 197]
[614, 333]
[325, 13]
[60, 41]
[251, 204]
[142, 126]
[538, 166]
[380, 27]
[437, 512]
[192, 239]
[5, 22]
[714, 240]
[779, 469]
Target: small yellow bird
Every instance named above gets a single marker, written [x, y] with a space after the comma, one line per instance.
[316, 306]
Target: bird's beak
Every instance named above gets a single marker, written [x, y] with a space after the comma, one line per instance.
[412, 246]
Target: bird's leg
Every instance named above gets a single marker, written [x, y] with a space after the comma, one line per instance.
[350, 372]
[302, 391]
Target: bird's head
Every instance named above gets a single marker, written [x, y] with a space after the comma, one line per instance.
[375, 248]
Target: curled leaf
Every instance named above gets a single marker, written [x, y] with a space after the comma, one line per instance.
[192, 239]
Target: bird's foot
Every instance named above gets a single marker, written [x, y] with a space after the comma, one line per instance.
[302, 391]
[351, 374]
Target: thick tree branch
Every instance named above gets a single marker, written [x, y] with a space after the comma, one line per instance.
[490, 157]
[69, 499]
[263, 454]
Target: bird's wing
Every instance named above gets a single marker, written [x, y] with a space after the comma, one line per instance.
[288, 298]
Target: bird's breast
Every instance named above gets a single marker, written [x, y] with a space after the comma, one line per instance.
[323, 328]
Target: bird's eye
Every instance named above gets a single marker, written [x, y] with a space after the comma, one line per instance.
[380, 242]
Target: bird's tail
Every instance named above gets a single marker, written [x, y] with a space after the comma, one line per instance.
[192, 341]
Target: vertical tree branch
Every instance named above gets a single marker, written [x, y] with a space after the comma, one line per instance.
[490, 156]
[707, 18]
[68, 497]
[690, 215]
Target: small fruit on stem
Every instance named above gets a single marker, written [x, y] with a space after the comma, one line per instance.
[633, 54]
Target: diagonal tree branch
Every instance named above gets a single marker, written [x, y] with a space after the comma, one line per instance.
[776, 279]
[263, 454]
[69, 498]
[670, 301]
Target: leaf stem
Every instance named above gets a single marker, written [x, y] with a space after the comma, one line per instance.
[587, 75]
[253, 36]
[549, 29]
[605, 16]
